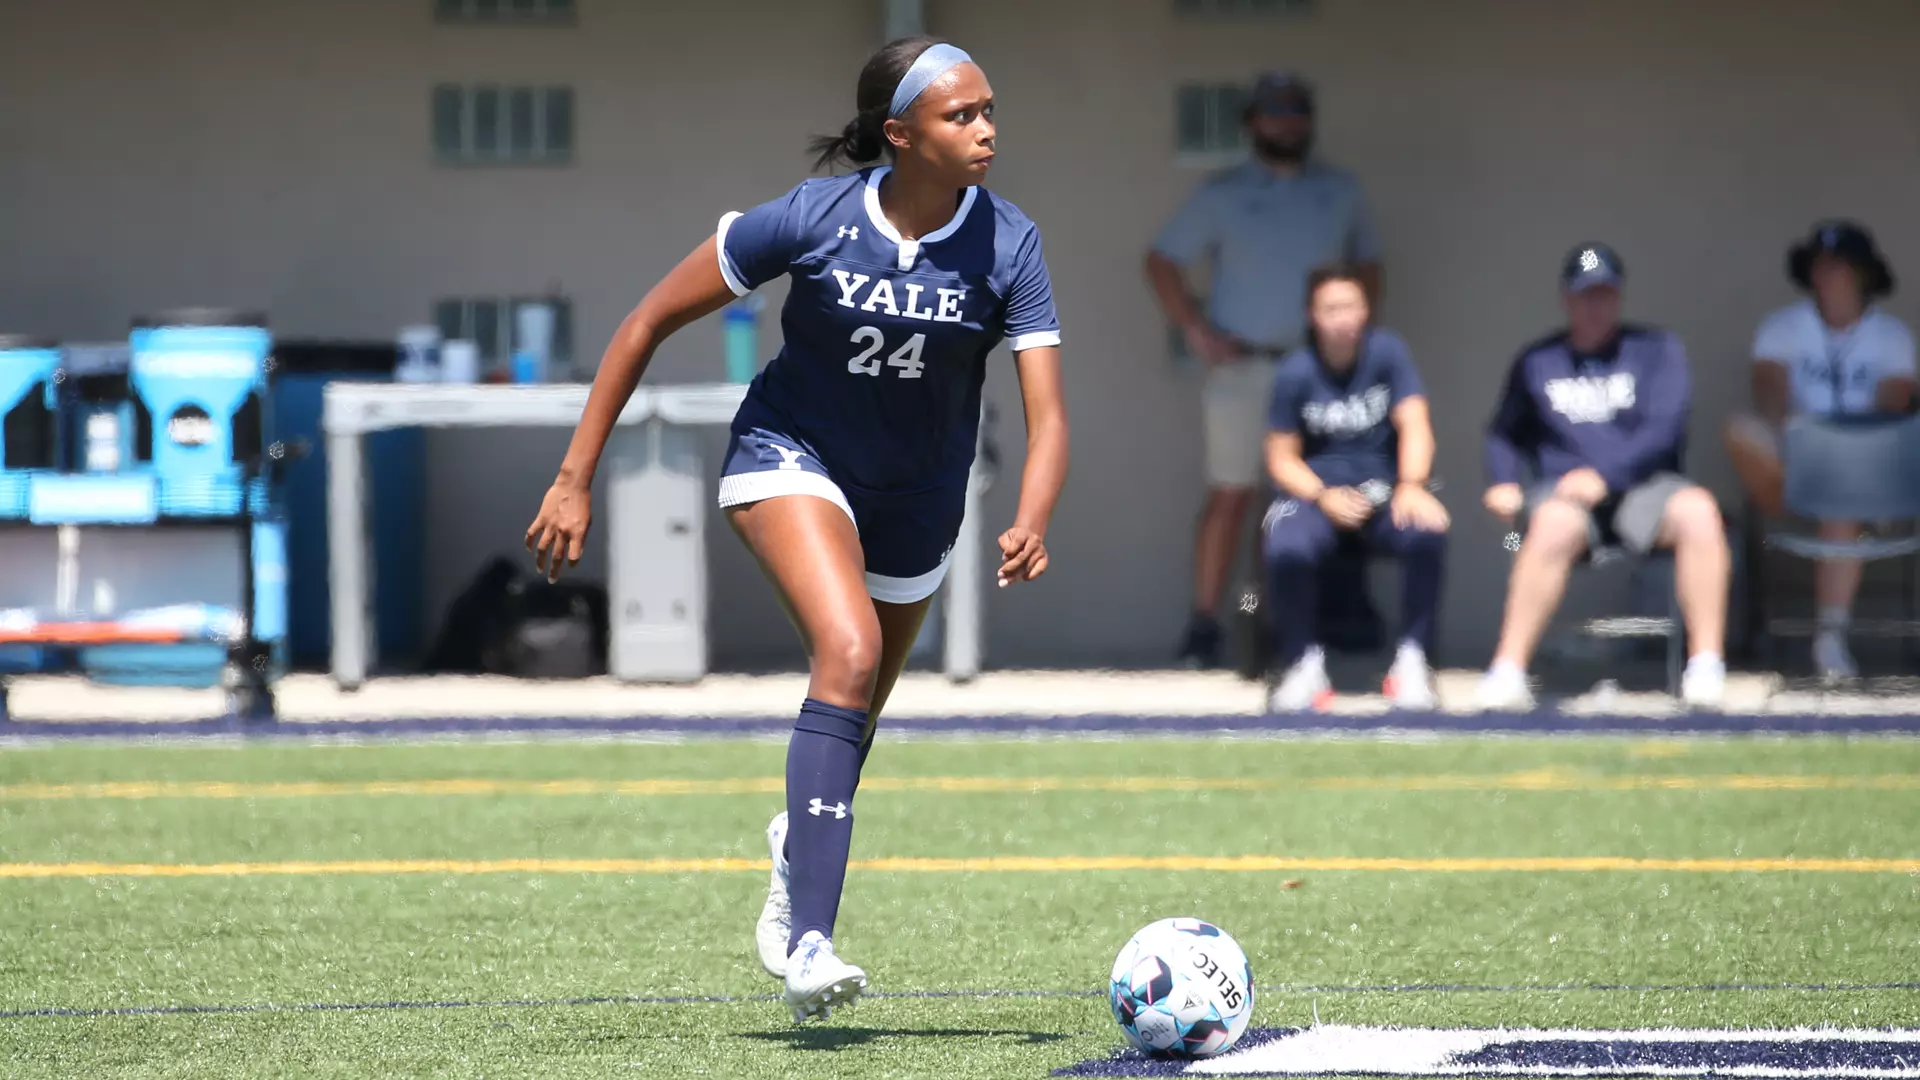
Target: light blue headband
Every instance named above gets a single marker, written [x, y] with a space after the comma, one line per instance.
[935, 62]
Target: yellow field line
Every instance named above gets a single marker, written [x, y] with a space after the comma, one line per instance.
[1535, 780]
[985, 865]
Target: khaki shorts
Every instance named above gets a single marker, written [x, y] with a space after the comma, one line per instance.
[1630, 519]
[1233, 411]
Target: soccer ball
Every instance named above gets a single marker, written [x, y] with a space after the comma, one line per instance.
[1182, 988]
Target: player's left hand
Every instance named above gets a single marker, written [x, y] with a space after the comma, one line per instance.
[1414, 507]
[1023, 556]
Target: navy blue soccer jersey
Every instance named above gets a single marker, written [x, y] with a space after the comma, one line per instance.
[1344, 420]
[886, 339]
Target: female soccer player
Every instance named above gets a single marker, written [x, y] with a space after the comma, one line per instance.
[847, 469]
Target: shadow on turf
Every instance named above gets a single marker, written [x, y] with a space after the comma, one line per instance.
[840, 1038]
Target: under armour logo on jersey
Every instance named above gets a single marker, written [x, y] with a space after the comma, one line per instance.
[849, 232]
[790, 458]
[838, 810]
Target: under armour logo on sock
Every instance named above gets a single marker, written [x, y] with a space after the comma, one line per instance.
[816, 808]
[849, 232]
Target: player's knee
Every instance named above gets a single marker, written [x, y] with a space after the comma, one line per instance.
[1228, 503]
[1289, 548]
[1423, 543]
[1557, 528]
[1693, 516]
[847, 656]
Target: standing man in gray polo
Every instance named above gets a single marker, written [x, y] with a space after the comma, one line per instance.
[1264, 226]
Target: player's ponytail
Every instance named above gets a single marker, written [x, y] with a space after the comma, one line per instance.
[864, 140]
[861, 142]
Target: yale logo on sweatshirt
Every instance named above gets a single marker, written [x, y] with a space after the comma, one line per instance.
[1591, 399]
[1349, 416]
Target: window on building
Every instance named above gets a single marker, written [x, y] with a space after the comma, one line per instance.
[506, 12]
[1243, 7]
[1207, 118]
[493, 325]
[486, 124]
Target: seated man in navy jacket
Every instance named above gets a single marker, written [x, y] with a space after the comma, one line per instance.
[1350, 446]
[1599, 410]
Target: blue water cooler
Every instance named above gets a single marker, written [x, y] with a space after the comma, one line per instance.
[197, 395]
[29, 409]
[199, 382]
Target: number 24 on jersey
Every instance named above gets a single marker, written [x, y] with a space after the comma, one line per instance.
[867, 361]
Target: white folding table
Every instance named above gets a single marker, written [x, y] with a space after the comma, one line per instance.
[658, 500]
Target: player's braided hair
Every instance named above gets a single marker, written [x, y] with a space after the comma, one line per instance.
[864, 140]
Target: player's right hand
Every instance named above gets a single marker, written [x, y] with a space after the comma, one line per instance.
[1504, 501]
[1023, 556]
[560, 530]
[1210, 345]
[1346, 507]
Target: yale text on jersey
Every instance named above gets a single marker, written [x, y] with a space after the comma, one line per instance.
[906, 300]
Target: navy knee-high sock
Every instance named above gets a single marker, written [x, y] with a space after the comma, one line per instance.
[823, 769]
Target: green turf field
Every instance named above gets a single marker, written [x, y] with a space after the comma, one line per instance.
[537, 892]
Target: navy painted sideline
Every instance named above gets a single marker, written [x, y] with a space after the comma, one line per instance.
[1880, 1052]
[1539, 722]
[902, 995]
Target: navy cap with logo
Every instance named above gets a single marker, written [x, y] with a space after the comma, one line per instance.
[1590, 265]
[1280, 93]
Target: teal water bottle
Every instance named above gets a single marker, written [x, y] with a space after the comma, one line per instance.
[740, 331]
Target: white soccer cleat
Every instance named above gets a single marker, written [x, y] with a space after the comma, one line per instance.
[817, 980]
[775, 928]
[1503, 689]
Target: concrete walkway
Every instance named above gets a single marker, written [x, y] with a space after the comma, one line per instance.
[995, 694]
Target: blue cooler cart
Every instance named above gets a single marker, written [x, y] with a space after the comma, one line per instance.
[172, 538]
[29, 446]
[29, 409]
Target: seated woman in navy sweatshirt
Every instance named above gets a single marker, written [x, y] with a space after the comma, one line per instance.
[1598, 414]
[1350, 446]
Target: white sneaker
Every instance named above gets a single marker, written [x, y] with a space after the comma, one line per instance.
[1409, 682]
[1832, 658]
[1305, 685]
[1503, 689]
[1704, 684]
[775, 927]
[817, 980]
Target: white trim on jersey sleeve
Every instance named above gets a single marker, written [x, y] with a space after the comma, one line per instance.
[728, 271]
[1039, 339]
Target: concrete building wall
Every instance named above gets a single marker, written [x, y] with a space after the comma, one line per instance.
[276, 154]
